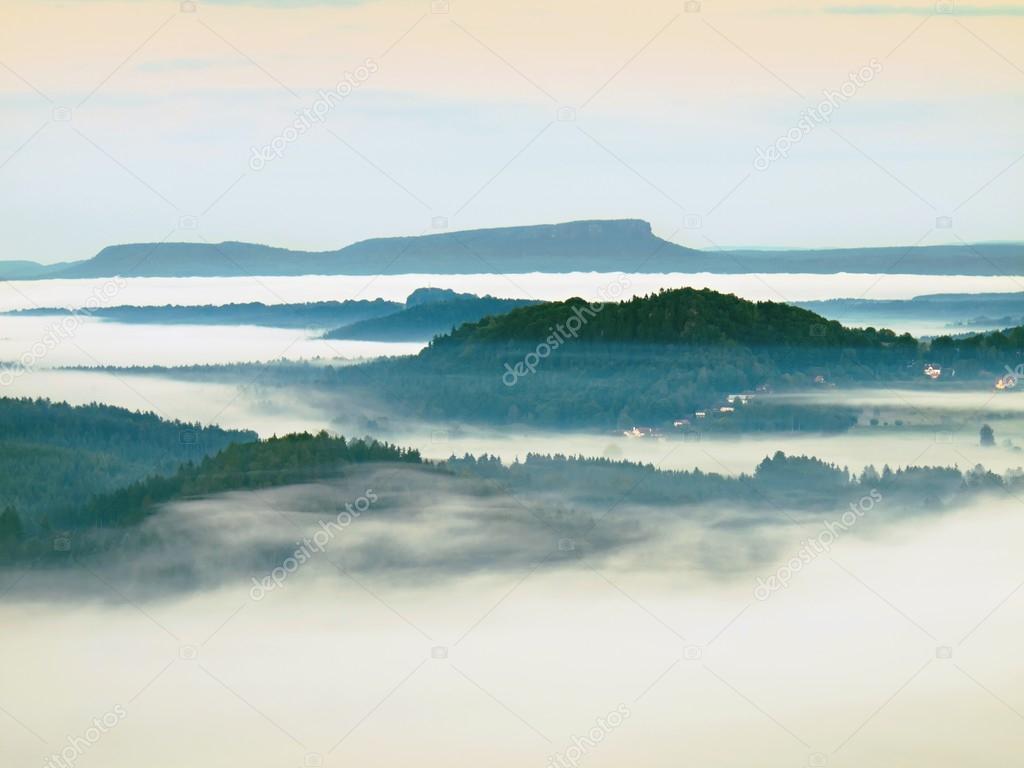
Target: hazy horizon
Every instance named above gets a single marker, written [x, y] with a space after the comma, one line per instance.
[184, 237]
[532, 114]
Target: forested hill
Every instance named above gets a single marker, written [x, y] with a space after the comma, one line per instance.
[294, 458]
[680, 316]
[647, 361]
[779, 481]
[55, 456]
[52, 495]
[992, 353]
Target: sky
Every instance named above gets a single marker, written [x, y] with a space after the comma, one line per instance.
[312, 125]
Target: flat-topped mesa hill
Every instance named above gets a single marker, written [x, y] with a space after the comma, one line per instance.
[621, 245]
[567, 247]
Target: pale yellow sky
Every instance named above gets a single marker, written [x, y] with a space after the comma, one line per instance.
[568, 48]
[672, 101]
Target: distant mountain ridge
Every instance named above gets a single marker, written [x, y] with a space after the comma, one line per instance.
[318, 314]
[428, 312]
[625, 245]
[963, 310]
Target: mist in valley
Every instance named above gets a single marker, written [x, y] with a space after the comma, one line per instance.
[90, 342]
[592, 286]
[937, 429]
[309, 624]
[483, 626]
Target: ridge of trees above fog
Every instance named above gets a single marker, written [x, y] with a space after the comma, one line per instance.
[67, 466]
[650, 361]
[325, 314]
[706, 318]
[54, 457]
[778, 481]
[676, 316]
[288, 460]
[647, 361]
[85, 488]
[427, 312]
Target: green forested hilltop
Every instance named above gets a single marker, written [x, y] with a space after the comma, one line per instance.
[106, 474]
[647, 361]
[678, 316]
[294, 458]
[54, 456]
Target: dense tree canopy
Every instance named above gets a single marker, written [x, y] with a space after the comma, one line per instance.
[294, 458]
[53, 456]
[654, 359]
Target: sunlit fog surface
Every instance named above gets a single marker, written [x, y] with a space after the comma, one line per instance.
[94, 342]
[73, 294]
[491, 644]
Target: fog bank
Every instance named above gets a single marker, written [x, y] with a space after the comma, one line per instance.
[140, 291]
[899, 629]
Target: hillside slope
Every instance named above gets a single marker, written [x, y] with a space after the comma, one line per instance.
[680, 316]
[421, 322]
[276, 461]
[54, 456]
[647, 361]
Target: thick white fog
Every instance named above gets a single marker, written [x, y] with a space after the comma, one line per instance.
[73, 294]
[95, 342]
[897, 647]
